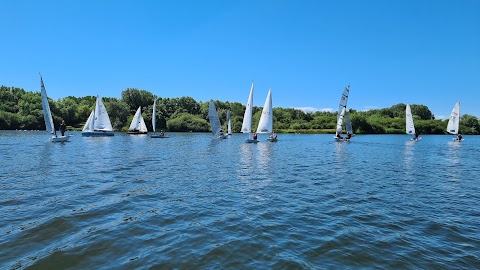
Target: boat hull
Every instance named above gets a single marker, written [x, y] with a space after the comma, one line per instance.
[251, 141]
[137, 132]
[60, 138]
[159, 136]
[272, 139]
[97, 134]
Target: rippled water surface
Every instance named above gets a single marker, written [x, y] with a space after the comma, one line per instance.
[190, 202]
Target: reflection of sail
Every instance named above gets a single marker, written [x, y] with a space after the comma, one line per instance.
[453, 168]
[264, 157]
[408, 153]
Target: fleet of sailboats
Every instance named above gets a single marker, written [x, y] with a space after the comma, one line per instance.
[215, 124]
[47, 116]
[137, 126]
[453, 125]
[98, 123]
[343, 116]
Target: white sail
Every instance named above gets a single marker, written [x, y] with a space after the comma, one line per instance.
[138, 124]
[89, 125]
[229, 123]
[410, 128]
[454, 121]
[348, 123]
[340, 120]
[154, 114]
[343, 99]
[247, 117]
[214, 120]
[266, 120]
[102, 121]
[47, 114]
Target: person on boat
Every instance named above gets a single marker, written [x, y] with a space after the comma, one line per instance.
[161, 133]
[415, 136]
[459, 137]
[339, 136]
[273, 136]
[349, 135]
[63, 127]
[254, 136]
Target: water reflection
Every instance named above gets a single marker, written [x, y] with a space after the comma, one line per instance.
[264, 157]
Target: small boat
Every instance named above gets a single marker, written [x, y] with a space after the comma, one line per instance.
[342, 116]
[138, 124]
[215, 122]
[47, 116]
[409, 126]
[247, 119]
[454, 123]
[154, 122]
[98, 123]
[265, 125]
[229, 123]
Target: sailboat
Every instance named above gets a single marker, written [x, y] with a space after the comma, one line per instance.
[265, 125]
[229, 123]
[138, 124]
[454, 123]
[154, 122]
[98, 123]
[247, 119]
[215, 122]
[47, 116]
[342, 111]
[410, 128]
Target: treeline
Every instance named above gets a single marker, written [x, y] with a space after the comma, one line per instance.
[20, 109]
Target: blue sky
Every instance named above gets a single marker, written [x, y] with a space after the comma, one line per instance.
[419, 52]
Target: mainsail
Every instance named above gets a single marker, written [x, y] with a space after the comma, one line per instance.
[342, 108]
[102, 121]
[410, 128]
[154, 114]
[229, 123]
[47, 114]
[266, 120]
[214, 120]
[340, 120]
[454, 121]
[247, 117]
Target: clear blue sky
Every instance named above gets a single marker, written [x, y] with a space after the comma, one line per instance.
[419, 52]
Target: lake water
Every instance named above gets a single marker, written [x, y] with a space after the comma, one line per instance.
[190, 202]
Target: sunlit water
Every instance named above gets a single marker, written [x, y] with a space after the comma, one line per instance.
[190, 202]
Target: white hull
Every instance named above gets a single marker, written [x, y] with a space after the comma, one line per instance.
[60, 138]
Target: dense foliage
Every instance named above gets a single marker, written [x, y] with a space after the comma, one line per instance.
[20, 109]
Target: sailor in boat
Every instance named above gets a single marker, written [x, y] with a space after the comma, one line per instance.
[273, 136]
[459, 137]
[63, 127]
[161, 133]
[415, 136]
[338, 135]
[347, 138]
[221, 134]
[254, 136]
